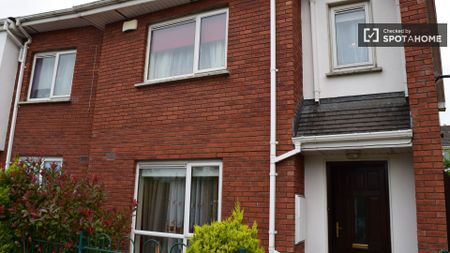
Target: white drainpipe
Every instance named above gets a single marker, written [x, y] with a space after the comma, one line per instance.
[22, 60]
[273, 121]
[273, 130]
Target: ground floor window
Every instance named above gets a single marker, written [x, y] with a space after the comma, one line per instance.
[43, 163]
[173, 197]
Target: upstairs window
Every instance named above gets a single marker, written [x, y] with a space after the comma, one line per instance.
[344, 32]
[188, 46]
[52, 75]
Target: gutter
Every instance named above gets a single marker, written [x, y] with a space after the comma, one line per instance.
[7, 23]
[385, 139]
[22, 60]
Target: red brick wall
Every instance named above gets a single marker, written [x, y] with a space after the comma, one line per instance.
[427, 151]
[289, 92]
[220, 117]
[61, 129]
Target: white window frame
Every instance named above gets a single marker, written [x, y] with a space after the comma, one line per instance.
[51, 159]
[55, 54]
[197, 19]
[335, 67]
[188, 166]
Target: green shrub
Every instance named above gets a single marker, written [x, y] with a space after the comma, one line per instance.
[226, 237]
[54, 206]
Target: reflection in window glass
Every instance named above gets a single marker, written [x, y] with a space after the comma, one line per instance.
[172, 51]
[152, 244]
[64, 75]
[42, 78]
[212, 42]
[346, 25]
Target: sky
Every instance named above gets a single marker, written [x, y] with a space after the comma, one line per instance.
[14, 8]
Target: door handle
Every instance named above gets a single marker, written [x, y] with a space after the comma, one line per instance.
[338, 229]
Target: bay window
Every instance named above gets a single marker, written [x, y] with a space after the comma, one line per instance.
[187, 46]
[173, 198]
[52, 75]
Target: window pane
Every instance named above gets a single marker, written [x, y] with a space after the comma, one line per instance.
[64, 75]
[360, 205]
[162, 195]
[150, 244]
[347, 48]
[42, 79]
[204, 195]
[212, 42]
[48, 165]
[172, 51]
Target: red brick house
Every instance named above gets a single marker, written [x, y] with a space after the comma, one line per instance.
[190, 106]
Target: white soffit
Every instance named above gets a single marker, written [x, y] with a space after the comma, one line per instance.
[371, 140]
[97, 14]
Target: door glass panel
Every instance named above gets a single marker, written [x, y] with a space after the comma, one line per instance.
[360, 219]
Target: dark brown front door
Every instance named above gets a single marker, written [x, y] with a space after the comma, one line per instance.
[358, 207]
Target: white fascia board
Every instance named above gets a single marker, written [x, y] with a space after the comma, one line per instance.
[79, 11]
[370, 140]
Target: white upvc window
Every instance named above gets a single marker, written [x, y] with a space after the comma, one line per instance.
[172, 198]
[187, 46]
[344, 37]
[46, 163]
[52, 75]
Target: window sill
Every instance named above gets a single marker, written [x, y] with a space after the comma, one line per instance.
[221, 72]
[355, 71]
[50, 101]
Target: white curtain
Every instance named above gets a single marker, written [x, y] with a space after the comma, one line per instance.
[173, 62]
[212, 55]
[347, 48]
[212, 42]
[172, 51]
[204, 196]
[64, 75]
[175, 207]
[42, 79]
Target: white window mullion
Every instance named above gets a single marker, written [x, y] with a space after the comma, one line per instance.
[187, 204]
[198, 21]
[55, 71]
[219, 205]
[226, 39]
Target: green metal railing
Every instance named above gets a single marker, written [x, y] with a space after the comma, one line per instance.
[99, 244]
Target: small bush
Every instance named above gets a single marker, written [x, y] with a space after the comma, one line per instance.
[226, 237]
[54, 206]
